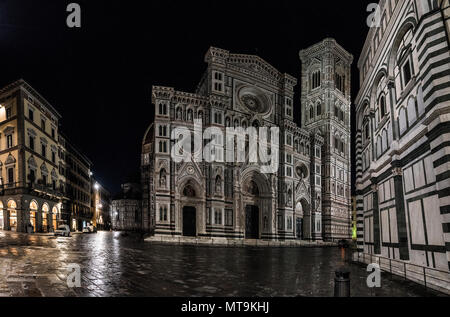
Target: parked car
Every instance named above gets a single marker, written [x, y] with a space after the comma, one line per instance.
[89, 229]
[63, 231]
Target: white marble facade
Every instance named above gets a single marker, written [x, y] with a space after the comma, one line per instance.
[403, 134]
[236, 200]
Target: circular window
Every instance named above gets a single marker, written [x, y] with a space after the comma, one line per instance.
[301, 171]
[254, 100]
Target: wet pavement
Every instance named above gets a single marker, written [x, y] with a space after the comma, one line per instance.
[114, 265]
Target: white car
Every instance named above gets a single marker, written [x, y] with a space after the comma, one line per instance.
[89, 229]
[63, 231]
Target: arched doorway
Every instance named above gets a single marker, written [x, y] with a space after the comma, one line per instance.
[189, 213]
[54, 218]
[188, 216]
[302, 220]
[251, 222]
[256, 208]
[189, 222]
[299, 221]
[12, 211]
[45, 217]
[33, 215]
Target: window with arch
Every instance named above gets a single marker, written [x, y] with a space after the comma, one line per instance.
[218, 216]
[162, 109]
[162, 131]
[217, 118]
[315, 79]
[162, 147]
[404, 59]
[288, 107]
[311, 113]
[163, 214]
[9, 141]
[382, 107]
[340, 82]
[366, 131]
[319, 109]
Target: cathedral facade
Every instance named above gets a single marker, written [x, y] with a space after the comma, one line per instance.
[303, 198]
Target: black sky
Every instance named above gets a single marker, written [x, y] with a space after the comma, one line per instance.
[99, 77]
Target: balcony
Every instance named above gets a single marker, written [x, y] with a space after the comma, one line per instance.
[30, 188]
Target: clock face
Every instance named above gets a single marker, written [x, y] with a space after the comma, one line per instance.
[254, 100]
[190, 170]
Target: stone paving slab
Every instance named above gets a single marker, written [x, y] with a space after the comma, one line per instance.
[113, 265]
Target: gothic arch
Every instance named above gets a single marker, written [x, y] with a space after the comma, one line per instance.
[148, 136]
[189, 181]
[253, 174]
[55, 210]
[409, 23]
[382, 74]
[302, 207]
[12, 204]
[45, 208]
[34, 205]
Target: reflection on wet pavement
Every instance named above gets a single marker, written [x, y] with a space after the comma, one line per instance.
[113, 265]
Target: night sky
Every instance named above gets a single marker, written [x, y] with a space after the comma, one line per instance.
[99, 77]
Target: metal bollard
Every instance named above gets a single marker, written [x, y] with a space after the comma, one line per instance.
[342, 283]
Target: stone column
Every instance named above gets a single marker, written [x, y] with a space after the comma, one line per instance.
[401, 214]
[376, 219]
[23, 216]
[391, 86]
[6, 224]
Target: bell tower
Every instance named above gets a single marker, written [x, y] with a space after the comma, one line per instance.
[325, 110]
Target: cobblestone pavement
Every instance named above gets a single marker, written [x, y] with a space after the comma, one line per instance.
[114, 265]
